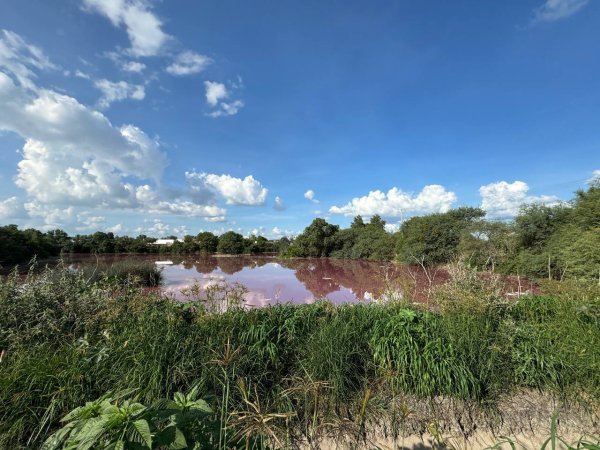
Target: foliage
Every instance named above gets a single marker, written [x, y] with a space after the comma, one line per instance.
[17, 245]
[231, 243]
[360, 241]
[316, 240]
[117, 423]
[138, 272]
[279, 375]
[207, 242]
[434, 239]
[560, 241]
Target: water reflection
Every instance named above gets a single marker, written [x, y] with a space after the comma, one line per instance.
[272, 280]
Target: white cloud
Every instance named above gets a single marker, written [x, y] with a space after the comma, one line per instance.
[235, 191]
[73, 154]
[279, 205]
[396, 203]
[392, 227]
[133, 66]
[142, 25]
[80, 74]
[188, 63]
[9, 208]
[117, 91]
[277, 233]
[18, 58]
[595, 179]
[260, 231]
[115, 229]
[187, 208]
[310, 195]
[158, 228]
[74, 157]
[215, 92]
[51, 216]
[227, 109]
[89, 222]
[503, 200]
[553, 10]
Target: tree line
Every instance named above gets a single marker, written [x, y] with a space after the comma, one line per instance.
[21, 245]
[554, 241]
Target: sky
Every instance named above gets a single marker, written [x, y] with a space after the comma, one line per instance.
[175, 117]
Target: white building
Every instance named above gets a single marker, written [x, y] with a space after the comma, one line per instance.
[165, 241]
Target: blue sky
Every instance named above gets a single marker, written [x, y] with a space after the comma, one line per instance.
[171, 117]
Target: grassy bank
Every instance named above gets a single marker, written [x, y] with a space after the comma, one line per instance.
[291, 374]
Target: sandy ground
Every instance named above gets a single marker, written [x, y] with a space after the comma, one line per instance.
[525, 418]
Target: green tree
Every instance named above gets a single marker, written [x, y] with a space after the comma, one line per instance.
[535, 224]
[207, 242]
[231, 243]
[487, 245]
[318, 239]
[434, 239]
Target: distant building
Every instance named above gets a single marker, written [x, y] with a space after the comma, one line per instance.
[165, 241]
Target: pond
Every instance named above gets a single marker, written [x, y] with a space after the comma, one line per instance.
[270, 280]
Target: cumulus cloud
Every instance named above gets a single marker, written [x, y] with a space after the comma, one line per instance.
[396, 203]
[227, 109]
[9, 208]
[118, 228]
[277, 233]
[553, 10]
[74, 157]
[235, 191]
[279, 205]
[142, 25]
[595, 179]
[117, 91]
[392, 227]
[310, 195]
[188, 63]
[133, 66]
[90, 222]
[215, 94]
[52, 217]
[503, 200]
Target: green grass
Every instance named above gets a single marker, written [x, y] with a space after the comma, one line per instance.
[142, 272]
[69, 339]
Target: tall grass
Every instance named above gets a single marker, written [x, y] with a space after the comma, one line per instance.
[285, 374]
[141, 272]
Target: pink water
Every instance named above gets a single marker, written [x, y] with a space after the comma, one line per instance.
[271, 280]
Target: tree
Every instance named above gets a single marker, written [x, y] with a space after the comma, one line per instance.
[207, 242]
[316, 240]
[357, 222]
[231, 243]
[434, 239]
[258, 244]
[487, 244]
[535, 224]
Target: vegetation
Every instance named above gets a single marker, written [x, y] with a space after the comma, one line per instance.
[278, 376]
[556, 242]
[551, 241]
[144, 273]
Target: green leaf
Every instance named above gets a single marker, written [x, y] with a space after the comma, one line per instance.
[202, 406]
[179, 442]
[140, 433]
